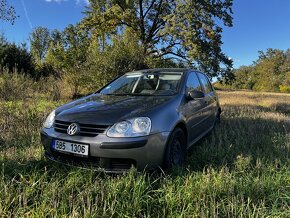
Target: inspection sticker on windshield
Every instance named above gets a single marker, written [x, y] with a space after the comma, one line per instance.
[71, 147]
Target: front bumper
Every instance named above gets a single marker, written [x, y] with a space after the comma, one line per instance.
[110, 154]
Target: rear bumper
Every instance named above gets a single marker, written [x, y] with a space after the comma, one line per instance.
[110, 154]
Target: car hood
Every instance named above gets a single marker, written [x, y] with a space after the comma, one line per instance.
[108, 109]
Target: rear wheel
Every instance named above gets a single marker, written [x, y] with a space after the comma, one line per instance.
[176, 149]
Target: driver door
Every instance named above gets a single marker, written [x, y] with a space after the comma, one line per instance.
[193, 109]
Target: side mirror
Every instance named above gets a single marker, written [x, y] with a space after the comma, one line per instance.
[194, 94]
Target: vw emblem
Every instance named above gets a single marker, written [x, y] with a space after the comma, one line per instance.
[73, 129]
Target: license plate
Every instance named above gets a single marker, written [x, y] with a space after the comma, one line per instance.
[71, 147]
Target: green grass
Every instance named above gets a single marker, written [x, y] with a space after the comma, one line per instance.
[242, 169]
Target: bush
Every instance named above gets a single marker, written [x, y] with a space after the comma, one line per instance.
[284, 88]
[79, 82]
[52, 88]
[45, 70]
[14, 86]
[16, 58]
[122, 56]
[221, 86]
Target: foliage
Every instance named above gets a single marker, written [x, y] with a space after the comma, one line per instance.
[190, 30]
[56, 53]
[18, 59]
[45, 70]
[120, 36]
[67, 54]
[123, 55]
[229, 174]
[87, 55]
[85, 65]
[244, 78]
[14, 86]
[15, 56]
[7, 12]
[271, 72]
[39, 42]
[221, 86]
[284, 88]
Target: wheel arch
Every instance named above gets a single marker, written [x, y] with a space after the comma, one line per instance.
[182, 126]
[179, 125]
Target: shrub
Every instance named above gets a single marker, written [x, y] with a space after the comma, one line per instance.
[45, 70]
[78, 82]
[14, 86]
[52, 88]
[221, 86]
[284, 88]
[16, 58]
[122, 56]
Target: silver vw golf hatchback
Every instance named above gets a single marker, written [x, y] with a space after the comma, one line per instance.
[145, 119]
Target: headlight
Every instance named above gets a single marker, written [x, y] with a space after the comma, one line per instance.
[140, 126]
[49, 120]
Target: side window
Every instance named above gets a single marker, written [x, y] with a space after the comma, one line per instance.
[205, 83]
[192, 83]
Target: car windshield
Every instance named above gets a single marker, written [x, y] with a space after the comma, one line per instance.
[144, 84]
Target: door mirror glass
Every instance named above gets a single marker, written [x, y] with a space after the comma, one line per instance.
[195, 94]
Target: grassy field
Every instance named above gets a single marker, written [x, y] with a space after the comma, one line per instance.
[241, 169]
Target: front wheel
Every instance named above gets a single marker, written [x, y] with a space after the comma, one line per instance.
[218, 117]
[176, 149]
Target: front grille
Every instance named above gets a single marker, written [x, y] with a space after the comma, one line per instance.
[76, 160]
[89, 130]
[122, 164]
[107, 164]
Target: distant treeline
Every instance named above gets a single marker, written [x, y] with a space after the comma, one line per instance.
[271, 72]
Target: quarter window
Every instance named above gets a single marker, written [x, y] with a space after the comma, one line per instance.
[193, 83]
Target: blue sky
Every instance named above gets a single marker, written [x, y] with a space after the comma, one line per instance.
[258, 24]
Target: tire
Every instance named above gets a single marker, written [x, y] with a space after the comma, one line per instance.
[218, 118]
[176, 149]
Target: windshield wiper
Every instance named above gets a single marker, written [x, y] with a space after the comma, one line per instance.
[117, 94]
[171, 92]
[140, 94]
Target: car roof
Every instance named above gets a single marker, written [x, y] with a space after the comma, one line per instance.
[162, 70]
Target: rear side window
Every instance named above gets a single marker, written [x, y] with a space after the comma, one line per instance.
[205, 83]
[193, 83]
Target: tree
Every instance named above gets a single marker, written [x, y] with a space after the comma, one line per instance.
[121, 56]
[39, 42]
[269, 70]
[55, 52]
[245, 78]
[67, 54]
[286, 68]
[15, 57]
[7, 12]
[184, 29]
